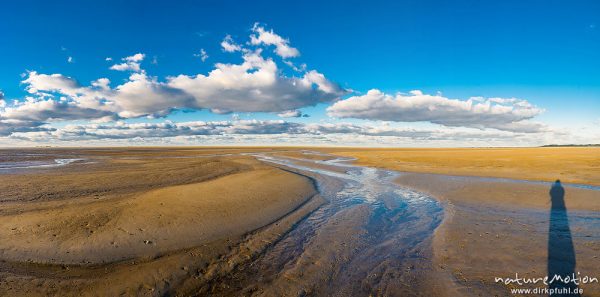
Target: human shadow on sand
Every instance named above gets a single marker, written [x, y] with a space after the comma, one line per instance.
[561, 254]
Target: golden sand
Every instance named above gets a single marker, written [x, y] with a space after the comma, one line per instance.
[140, 221]
[487, 231]
[569, 164]
[157, 221]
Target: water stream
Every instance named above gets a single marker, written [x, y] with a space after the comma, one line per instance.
[372, 237]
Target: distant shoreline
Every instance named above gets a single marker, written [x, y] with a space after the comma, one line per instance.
[571, 145]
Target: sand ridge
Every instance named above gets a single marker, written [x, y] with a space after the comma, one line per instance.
[154, 222]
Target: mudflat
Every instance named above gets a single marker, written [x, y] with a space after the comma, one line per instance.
[569, 164]
[226, 221]
[137, 222]
[503, 228]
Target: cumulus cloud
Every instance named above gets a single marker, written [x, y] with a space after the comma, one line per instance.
[256, 85]
[36, 83]
[131, 63]
[229, 45]
[9, 127]
[102, 83]
[44, 85]
[507, 114]
[62, 90]
[13, 120]
[141, 95]
[264, 37]
[41, 110]
[145, 96]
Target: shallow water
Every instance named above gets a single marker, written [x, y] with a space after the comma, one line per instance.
[372, 237]
[25, 164]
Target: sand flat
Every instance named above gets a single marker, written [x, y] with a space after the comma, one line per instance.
[569, 164]
[197, 221]
[84, 228]
[507, 194]
[499, 228]
[155, 222]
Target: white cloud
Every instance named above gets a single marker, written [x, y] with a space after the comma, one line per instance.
[50, 82]
[121, 130]
[202, 55]
[40, 110]
[10, 126]
[34, 113]
[264, 37]
[384, 130]
[63, 88]
[70, 60]
[108, 59]
[131, 63]
[256, 85]
[102, 83]
[499, 113]
[261, 132]
[135, 58]
[229, 45]
[143, 95]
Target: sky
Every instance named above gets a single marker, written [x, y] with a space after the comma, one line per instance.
[361, 73]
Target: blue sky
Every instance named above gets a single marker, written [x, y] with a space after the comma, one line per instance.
[546, 53]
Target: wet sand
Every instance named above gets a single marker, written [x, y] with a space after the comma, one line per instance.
[133, 225]
[570, 164]
[275, 222]
[371, 238]
[498, 192]
[499, 228]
